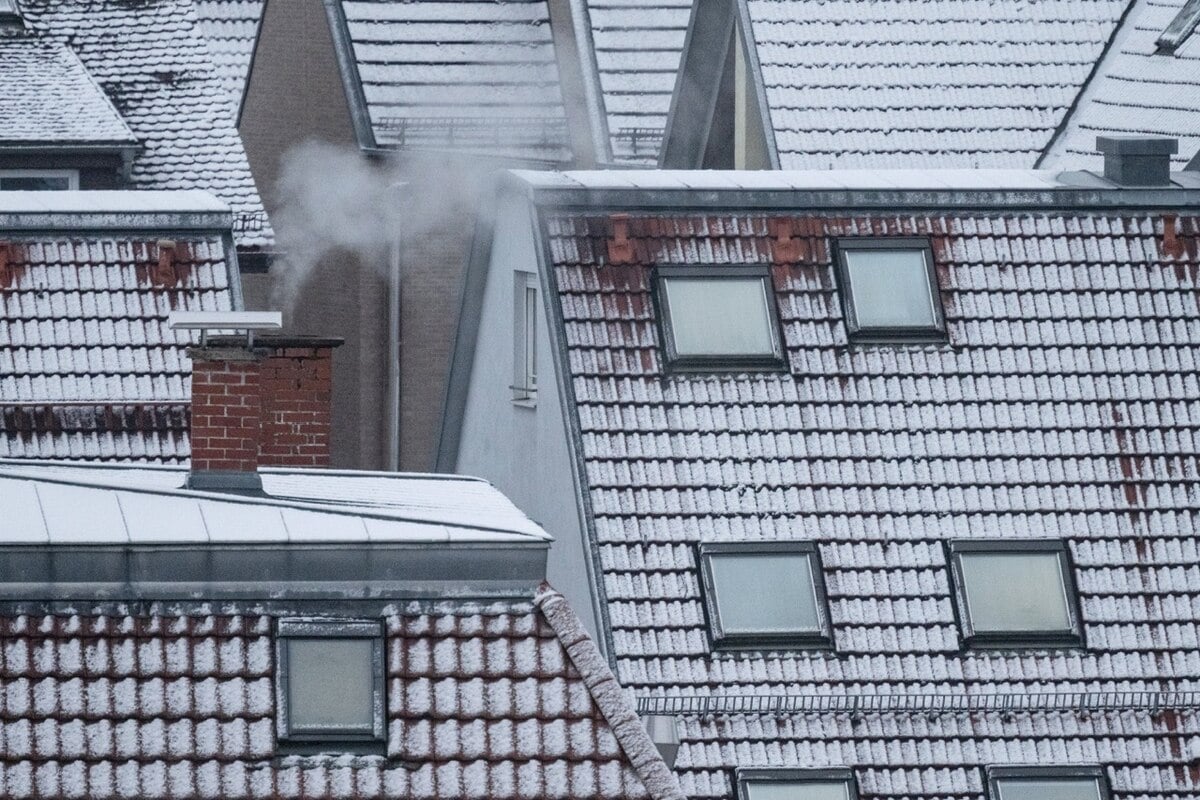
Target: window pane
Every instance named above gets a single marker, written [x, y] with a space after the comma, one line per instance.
[1015, 591]
[768, 593]
[890, 288]
[719, 316]
[34, 183]
[1049, 789]
[798, 790]
[331, 684]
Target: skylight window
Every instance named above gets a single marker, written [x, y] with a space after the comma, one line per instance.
[1015, 593]
[889, 289]
[796, 784]
[330, 682]
[1047, 783]
[714, 318]
[764, 594]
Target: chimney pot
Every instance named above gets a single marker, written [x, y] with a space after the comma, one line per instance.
[1137, 160]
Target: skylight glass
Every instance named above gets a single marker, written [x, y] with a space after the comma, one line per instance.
[797, 790]
[721, 317]
[1048, 789]
[331, 684]
[890, 289]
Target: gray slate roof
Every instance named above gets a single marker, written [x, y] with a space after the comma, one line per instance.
[1138, 91]
[49, 97]
[230, 27]
[1063, 406]
[459, 75]
[152, 62]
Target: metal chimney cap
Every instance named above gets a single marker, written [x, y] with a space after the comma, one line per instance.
[664, 732]
[225, 320]
[1137, 145]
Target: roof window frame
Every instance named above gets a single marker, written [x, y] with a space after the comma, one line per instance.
[994, 774]
[743, 776]
[994, 640]
[793, 640]
[322, 740]
[885, 335]
[675, 363]
[72, 176]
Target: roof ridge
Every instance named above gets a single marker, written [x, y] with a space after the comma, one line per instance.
[610, 698]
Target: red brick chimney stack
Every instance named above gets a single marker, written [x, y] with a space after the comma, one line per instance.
[263, 406]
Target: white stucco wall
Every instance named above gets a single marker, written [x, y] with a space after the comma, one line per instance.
[521, 449]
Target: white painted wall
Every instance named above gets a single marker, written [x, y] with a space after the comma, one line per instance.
[522, 449]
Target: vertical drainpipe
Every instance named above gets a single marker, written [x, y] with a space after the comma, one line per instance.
[395, 198]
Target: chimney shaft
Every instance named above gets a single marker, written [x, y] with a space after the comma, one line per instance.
[1137, 160]
[264, 406]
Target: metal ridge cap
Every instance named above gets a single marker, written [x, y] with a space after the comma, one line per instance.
[920, 702]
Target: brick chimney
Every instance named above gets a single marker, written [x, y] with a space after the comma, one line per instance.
[266, 405]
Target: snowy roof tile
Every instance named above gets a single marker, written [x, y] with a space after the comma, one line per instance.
[1137, 90]
[151, 60]
[230, 27]
[476, 76]
[1062, 406]
[485, 700]
[88, 368]
[51, 98]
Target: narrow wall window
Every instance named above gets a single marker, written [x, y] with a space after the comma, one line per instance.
[719, 318]
[1047, 783]
[796, 784]
[889, 289]
[764, 594]
[39, 180]
[1015, 593]
[525, 314]
[329, 682]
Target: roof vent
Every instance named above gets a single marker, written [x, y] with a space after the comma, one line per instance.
[665, 735]
[1137, 160]
[1180, 28]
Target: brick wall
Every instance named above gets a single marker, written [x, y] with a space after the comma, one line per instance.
[296, 387]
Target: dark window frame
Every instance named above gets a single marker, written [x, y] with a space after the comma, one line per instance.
[747, 775]
[1038, 772]
[288, 629]
[888, 334]
[722, 640]
[974, 639]
[673, 362]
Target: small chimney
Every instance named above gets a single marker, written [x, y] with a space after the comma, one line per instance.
[1137, 160]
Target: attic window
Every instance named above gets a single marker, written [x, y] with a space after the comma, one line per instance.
[1016, 593]
[39, 180]
[1047, 783]
[764, 594]
[889, 289]
[796, 784]
[719, 318]
[329, 682]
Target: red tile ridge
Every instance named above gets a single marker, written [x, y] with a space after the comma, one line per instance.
[610, 698]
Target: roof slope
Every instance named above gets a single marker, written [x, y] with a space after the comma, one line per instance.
[1064, 406]
[152, 62]
[471, 75]
[497, 700]
[924, 83]
[51, 98]
[1137, 91]
[88, 368]
[230, 27]
[638, 45]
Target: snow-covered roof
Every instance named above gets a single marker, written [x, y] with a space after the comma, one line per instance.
[63, 503]
[1137, 90]
[478, 76]
[88, 367]
[51, 99]
[152, 62]
[1062, 406]
[637, 45]
[230, 28]
[486, 701]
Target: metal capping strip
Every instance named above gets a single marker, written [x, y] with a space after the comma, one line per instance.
[919, 703]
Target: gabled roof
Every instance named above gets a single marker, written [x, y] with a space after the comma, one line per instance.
[1139, 88]
[478, 77]
[230, 28]
[88, 369]
[152, 62]
[1062, 406]
[50, 99]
